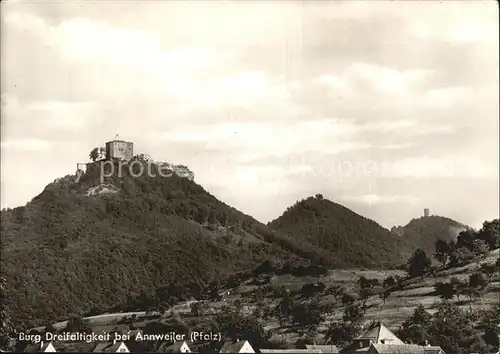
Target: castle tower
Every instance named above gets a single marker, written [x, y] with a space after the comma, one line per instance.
[426, 212]
[119, 149]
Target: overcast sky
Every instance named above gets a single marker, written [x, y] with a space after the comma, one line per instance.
[384, 107]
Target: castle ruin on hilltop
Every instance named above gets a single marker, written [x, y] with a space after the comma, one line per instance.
[121, 150]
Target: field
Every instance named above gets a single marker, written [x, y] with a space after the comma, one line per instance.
[399, 305]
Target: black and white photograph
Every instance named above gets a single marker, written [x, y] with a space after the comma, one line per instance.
[252, 176]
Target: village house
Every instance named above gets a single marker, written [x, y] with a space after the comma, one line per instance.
[239, 347]
[332, 349]
[178, 347]
[111, 347]
[403, 349]
[380, 340]
[307, 348]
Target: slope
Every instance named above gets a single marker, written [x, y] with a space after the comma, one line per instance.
[423, 232]
[350, 239]
[90, 244]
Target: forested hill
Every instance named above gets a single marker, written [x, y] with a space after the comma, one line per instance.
[351, 239]
[84, 245]
[423, 232]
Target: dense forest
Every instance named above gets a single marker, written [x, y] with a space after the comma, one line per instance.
[88, 245]
[423, 232]
[351, 239]
[68, 250]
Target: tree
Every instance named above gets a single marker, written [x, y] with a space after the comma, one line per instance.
[311, 289]
[478, 345]
[78, 324]
[443, 251]
[341, 333]
[433, 270]
[353, 313]
[489, 322]
[195, 308]
[479, 248]
[212, 218]
[50, 329]
[266, 267]
[348, 299]
[470, 292]
[363, 282]
[458, 287]
[94, 154]
[389, 282]
[416, 328]
[213, 290]
[336, 291]
[478, 281]
[365, 295]
[284, 309]
[418, 264]
[236, 326]
[95, 310]
[384, 295]
[490, 233]
[319, 196]
[307, 314]
[452, 329]
[466, 239]
[6, 327]
[489, 270]
[460, 256]
[399, 282]
[238, 305]
[445, 291]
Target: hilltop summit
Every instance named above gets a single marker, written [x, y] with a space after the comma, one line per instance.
[84, 244]
[423, 232]
[350, 239]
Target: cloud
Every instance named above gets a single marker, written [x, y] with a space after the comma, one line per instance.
[37, 121]
[386, 79]
[397, 146]
[264, 138]
[374, 199]
[26, 144]
[269, 98]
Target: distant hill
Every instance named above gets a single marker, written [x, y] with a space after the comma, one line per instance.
[423, 232]
[351, 239]
[90, 244]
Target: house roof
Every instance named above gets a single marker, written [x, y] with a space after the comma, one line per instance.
[433, 350]
[380, 333]
[176, 347]
[396, 349]
[230, 347]
[354, 348]
[107, 347]
[323, 348]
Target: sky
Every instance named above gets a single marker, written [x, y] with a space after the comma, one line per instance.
[385, 107]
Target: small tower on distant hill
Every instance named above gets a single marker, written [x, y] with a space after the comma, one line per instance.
[426, 212]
